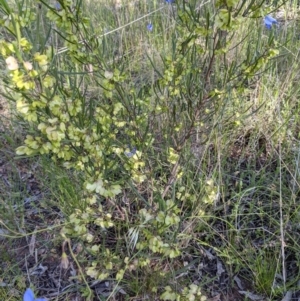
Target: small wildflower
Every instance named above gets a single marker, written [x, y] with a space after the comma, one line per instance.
[130, 153]
[170, 1]
[149, 27]
[269, 21]
[12, 63]
[57, 6]
[29, 296]
[28, 66]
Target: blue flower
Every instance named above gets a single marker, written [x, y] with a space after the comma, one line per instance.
[57, 6]
[269, 21]
[170, 1]
[29, 296]
[130, 153]
[149, 27]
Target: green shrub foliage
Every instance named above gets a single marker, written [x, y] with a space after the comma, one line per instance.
[109, 137]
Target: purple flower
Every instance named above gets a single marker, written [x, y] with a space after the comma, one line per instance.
[29, 296]
[269, 21]
[57, 6]
[131, 153]
[149, 27]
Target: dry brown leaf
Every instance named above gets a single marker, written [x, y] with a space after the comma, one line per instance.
[32, 243]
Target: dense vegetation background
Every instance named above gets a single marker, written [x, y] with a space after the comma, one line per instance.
[149, 150]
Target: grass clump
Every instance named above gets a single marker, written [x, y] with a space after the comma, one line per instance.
[164, 157]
